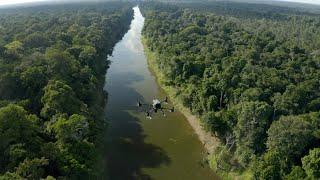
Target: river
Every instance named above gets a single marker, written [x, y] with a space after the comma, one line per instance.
[163, 148]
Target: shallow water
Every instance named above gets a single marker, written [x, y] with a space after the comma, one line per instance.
[139, 148]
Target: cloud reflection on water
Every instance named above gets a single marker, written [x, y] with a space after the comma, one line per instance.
[133, 42]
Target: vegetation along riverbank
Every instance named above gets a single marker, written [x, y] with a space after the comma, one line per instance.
[52, 73]
[251, 74]
[208, 140]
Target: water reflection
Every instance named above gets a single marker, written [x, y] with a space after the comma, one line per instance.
[133, 42]
[128, 152]
[137, 148]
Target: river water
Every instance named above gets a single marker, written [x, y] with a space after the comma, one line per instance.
[163, 148]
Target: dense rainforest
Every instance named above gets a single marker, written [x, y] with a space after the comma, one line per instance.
[52, 68]
[252, 74]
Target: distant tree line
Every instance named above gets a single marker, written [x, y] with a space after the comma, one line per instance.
[252, 76]
[52, 71]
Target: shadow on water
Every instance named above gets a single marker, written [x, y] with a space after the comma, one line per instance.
[163, 148]
[127, 152]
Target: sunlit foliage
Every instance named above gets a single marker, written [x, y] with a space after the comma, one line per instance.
[251, 72]
[52, 68]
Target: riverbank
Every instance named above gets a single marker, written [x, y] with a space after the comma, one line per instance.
[210, 142]
[138, 148]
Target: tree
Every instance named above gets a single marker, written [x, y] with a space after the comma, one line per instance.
[269, 167]
[311, 163]
[36, 40]
[214, 124]
[241, 67]
[34, 79]
[59, 98]
[62, 65]
[32, 169]
[54, 67]
[10, 176]
[10, 86]
[250, 131]
[88, 55]
[296, 173]
[13, 118]
[76, 128]
[14, 49]
[290, 136]
[17, 153]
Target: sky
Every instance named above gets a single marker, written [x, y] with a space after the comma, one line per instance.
[8, 2]
[303, 1]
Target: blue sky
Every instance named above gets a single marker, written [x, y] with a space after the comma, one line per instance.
[6, 2]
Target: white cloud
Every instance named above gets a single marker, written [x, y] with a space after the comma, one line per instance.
[9, 2]
[305, 1]
[133, 36]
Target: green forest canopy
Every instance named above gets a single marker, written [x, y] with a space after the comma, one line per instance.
[52, 68]
[251, 72]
